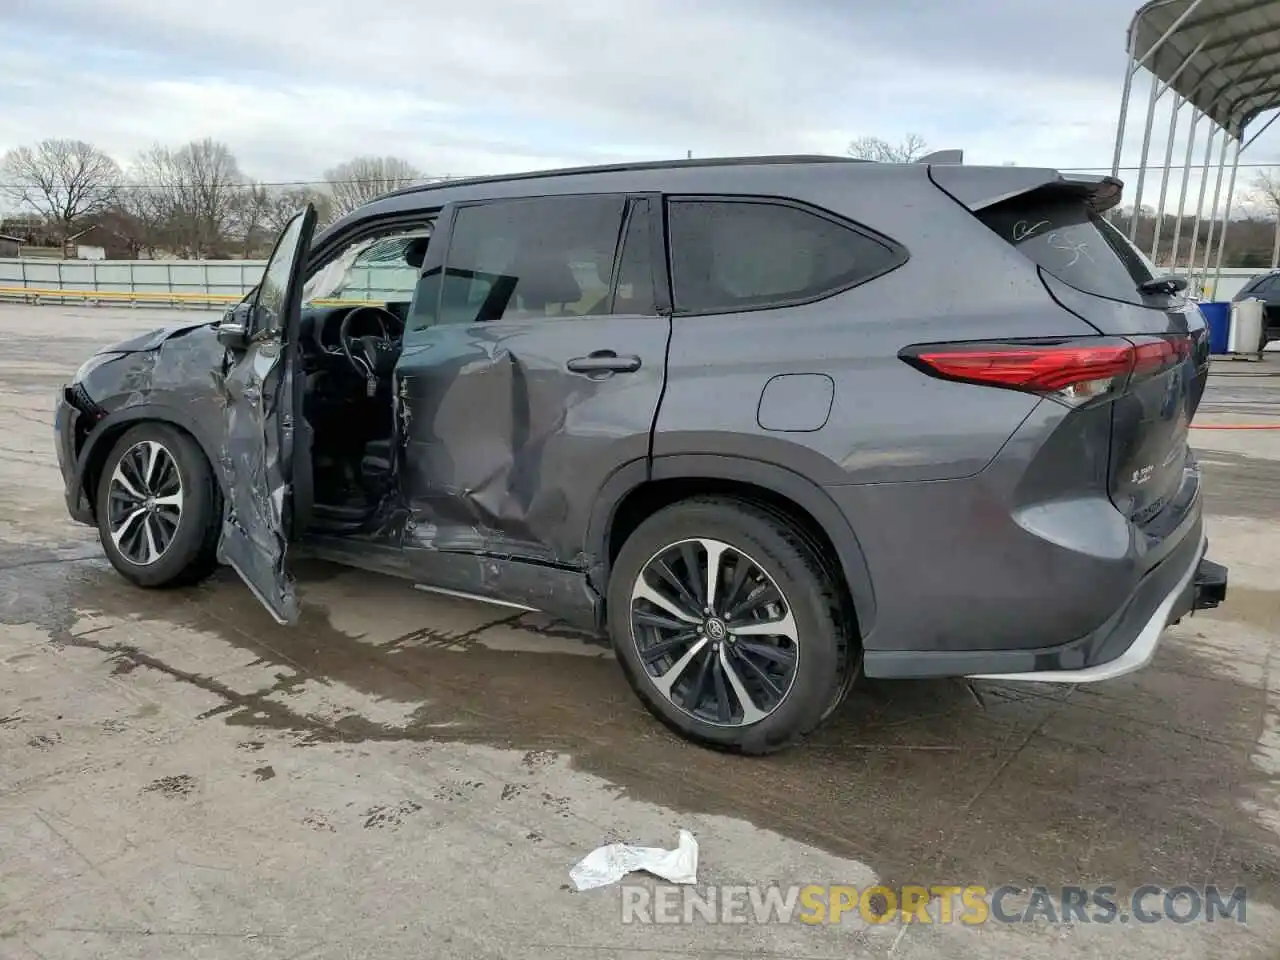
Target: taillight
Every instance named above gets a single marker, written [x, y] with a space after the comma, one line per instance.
[1153, 355]
[1069, 371]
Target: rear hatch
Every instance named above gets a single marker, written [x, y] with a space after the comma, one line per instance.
[1093, 270]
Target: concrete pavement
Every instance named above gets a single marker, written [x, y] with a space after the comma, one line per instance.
[404, 775]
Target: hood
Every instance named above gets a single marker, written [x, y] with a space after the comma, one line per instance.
[152, 340]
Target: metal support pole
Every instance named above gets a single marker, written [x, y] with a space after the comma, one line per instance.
[1124, 113]
[1204, 186]
[1164, 178]
[1275, 250]
[1182, 195]
[1249, 143]
[1142, 161]
[1226, 219]
[1213, 208]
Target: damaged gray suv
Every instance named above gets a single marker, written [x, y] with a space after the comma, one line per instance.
[771, 424]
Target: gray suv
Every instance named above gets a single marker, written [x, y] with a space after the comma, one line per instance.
[769, 423]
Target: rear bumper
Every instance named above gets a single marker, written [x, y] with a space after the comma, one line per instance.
[1183, 582]
[1201, 585]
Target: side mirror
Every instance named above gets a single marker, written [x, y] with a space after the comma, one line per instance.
[235, 328]
[233, 335]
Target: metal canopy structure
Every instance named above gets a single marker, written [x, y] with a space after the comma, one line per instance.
[1222, 57]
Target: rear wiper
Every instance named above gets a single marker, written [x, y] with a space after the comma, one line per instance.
[1166, 283]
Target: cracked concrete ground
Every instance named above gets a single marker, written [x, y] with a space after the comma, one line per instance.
[405, 775]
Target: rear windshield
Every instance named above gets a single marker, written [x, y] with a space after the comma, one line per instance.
[1064, 236]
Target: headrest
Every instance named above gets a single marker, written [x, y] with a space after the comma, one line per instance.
[543, 279]
[415, 251]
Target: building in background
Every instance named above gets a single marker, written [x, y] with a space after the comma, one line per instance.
[98, 242]
[10, 246]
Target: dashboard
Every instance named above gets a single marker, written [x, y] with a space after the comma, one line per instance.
[321, 327]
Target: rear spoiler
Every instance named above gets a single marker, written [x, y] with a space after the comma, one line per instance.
[981, 187]
[943, 156]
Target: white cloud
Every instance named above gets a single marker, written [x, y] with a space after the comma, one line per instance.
[493, 85]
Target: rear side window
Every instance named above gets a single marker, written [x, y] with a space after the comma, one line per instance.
[729, 255]
[547, 257]
[1066, 238]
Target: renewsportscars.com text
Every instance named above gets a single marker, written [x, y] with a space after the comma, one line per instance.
[970, 905]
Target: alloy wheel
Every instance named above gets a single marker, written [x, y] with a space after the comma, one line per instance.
[714, 632]
[144, 502]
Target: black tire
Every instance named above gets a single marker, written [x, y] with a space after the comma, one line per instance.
[191, 553]
[824, 667]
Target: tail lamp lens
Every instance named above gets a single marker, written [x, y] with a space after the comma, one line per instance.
[1072, 372]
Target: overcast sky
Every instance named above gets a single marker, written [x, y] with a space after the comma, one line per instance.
[495, 85]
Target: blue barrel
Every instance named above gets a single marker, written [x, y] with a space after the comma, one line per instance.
[1217, 317]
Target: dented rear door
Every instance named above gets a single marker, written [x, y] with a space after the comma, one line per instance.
[532, 369]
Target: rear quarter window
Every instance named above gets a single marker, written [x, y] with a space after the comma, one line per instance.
[1066, 238]
[750, 254]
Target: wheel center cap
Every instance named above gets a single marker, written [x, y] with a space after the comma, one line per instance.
[716, 630]
[149, 503]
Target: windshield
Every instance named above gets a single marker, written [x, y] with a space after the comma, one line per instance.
[379, 269]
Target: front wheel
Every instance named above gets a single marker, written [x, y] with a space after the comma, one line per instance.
[728, 626]
[158, 508]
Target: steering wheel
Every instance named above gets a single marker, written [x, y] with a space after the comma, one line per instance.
[372, 357]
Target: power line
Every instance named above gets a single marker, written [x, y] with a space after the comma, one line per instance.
[253, 184]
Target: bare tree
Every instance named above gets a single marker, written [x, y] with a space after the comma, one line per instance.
[250, 216]
[365, 178]
[188, 197]
[150, 199]
[285, 203]
[64, 180]
[912, 148]
[1267, 186]
[214, 181]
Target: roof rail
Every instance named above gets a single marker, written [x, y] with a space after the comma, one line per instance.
[626, 168]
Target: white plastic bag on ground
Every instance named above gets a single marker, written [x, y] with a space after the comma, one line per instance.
[609, 864]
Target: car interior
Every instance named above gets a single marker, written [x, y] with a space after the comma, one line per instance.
[355, 310]
[351, 340]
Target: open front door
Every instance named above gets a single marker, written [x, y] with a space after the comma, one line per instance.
[258, 393]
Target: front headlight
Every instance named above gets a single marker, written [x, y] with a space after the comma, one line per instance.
[92, 364]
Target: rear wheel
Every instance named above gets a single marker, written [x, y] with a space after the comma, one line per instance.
[728, 626]
[157, 508]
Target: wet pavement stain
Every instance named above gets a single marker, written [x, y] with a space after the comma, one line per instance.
[457, 792]
[1240, 486]
[179, 785]
[1123, 782]
[383, 817]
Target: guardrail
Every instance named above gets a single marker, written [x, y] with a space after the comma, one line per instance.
[35, 295]
[220, 278]
[38, 295]
[197, 283]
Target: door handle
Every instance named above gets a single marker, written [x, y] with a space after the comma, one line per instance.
[604, 361]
